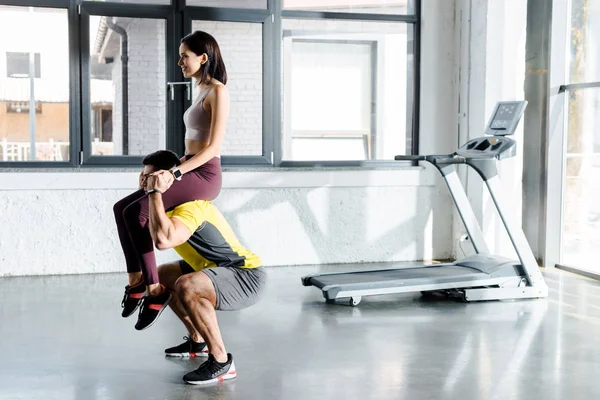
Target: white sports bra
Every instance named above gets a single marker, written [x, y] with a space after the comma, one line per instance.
[197, 120]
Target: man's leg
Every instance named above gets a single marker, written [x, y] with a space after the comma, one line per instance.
[200, 294]
[197, 296]
[194, 345]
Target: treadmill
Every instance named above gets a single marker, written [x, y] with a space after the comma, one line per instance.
[481, 276]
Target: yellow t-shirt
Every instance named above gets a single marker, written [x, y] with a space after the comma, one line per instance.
[213, 243]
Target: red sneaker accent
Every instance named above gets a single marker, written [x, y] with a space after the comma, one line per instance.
[155, 306]
[136, 295]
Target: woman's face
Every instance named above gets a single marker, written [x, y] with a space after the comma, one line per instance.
[189, 62]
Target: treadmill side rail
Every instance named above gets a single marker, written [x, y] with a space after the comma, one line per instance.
[332, 292]
[525, 292]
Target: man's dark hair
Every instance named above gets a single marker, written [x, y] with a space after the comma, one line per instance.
[162, 159]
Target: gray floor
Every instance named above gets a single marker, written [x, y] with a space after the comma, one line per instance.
[63, 338]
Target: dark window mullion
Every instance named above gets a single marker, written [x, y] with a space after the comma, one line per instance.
[109, 161]
[174, 123]
[75, 127]
[268, 114]
[126, 10]
[226, 14]
[416, 92]
[276, 103]
[85, 86]
[38, 3]
[292, 14]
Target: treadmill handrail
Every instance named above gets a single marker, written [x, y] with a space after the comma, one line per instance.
[440, 159]
[409, 158]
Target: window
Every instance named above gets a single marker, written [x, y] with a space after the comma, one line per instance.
[581, 209]
[344, 90]
[20, 65]
[241, 45]
[40, 134]
[127, 86]
[310, 82]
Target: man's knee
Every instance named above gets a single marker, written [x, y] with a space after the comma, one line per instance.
[192, 286]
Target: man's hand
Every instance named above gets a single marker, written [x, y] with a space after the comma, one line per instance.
[142, 181]
[160, 180]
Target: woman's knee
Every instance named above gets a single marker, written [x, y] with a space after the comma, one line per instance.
[132, 211]
[119, 207]
[168, 274]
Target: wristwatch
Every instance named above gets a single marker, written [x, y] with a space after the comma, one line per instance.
[176, 173]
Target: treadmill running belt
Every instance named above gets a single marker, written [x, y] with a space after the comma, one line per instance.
[432, 273]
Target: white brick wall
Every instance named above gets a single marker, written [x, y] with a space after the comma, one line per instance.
[241, 46]
[328, 218]
[147, 86]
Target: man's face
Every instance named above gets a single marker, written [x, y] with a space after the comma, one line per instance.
[148, 169]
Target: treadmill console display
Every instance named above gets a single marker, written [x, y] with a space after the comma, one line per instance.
[488, 147]
[505, 118]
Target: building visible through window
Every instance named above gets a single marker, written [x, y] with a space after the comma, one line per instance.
[16, 107]
[17, 65]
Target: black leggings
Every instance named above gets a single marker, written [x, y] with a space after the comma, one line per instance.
[132, 215]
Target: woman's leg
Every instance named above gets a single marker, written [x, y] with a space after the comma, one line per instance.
[203, 183]
[131, 259]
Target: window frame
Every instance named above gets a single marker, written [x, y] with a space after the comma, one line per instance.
[257, 16]
[369, 140]
[178, 18]
[413, 85]
[88, 9]
[74, 92]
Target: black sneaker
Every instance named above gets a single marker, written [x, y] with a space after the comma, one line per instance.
[212, 371]
[132, 298]
[189, 348]
[151, 308]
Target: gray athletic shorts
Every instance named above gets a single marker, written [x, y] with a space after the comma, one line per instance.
[236, 288]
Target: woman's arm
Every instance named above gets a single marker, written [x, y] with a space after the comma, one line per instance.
[219, 106]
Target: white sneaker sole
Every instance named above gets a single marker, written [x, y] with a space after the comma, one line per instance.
[188, 355]
[232, 373]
